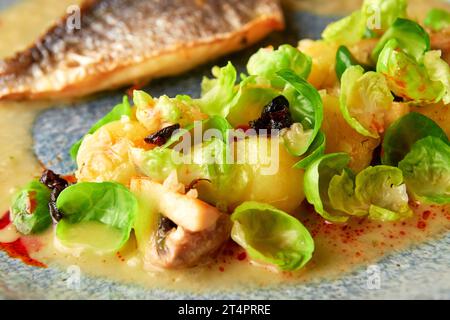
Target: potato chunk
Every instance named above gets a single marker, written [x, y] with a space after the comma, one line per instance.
[341, 137]
[323, 54]
[272, 178]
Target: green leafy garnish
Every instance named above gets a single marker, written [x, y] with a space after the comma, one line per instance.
[406, 77]
[267, 62]
[254, 92]
[437, 19]
[439, 71]
[96, 216]
[381, 14]
[219, 91]
[305, 106]
[29, 209]
[364, 99]
[122, 109]
[378, 192]
[347, 30]
[296, 139]
[271, 236]
[410, 37]
[337, 193]
[263, 84]
[315, 151]
[316, 181]
[216, 127]
[374, 16]
[426, 169]
[403, 133]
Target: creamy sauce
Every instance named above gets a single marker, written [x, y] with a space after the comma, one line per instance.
[338, 248]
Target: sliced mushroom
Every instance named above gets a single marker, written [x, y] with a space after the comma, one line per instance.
[180, 248]
[176, 230]
[190, 213]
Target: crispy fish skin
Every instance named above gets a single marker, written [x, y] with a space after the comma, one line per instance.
[122, 42]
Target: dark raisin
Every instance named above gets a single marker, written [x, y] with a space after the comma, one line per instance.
[52, 180]
[277, 104]
[275, 115]
[159, 138]
[56, 184]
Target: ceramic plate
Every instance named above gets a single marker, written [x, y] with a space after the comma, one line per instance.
[420, 272]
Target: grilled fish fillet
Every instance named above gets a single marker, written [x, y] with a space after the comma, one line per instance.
[122, 42]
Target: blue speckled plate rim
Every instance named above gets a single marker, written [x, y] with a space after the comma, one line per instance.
[420, 272]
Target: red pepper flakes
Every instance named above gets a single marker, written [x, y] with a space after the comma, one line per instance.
[221, 269]
[242, 256]
[421, 225]
[119, 256]
[5, 220]
[18, 250]
[426, 214]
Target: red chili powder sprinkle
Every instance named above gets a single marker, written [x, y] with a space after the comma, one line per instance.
[221, 269]
[421, 225]
[18, 250]
[5, 220]
[242, 256]
[119, 256]
[426, 214]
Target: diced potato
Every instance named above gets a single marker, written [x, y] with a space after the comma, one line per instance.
[192, 214]
[323, 54]
[341, 137]
[104, 155]
[397, 111]
[271, 176]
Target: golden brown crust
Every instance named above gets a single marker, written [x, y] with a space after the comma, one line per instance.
[115, 45]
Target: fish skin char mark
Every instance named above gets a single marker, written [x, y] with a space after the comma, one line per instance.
[121, 42]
